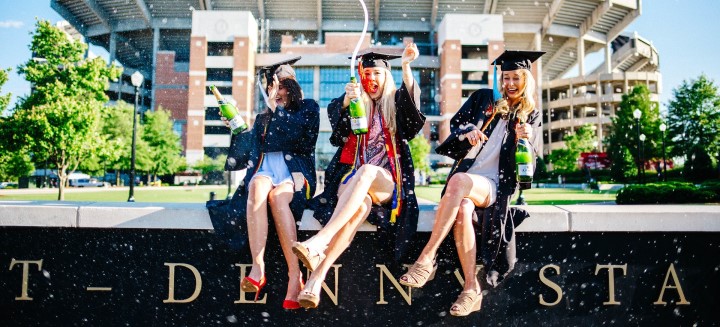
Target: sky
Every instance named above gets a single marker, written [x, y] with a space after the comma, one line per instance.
[673, 26]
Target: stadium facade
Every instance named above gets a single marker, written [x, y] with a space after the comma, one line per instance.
[181, 47]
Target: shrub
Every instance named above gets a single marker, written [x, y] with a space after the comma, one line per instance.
[712, 186]
[663, 193]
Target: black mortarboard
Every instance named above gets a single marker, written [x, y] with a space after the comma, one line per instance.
[516, 59]
[376, 59]
[282, 69]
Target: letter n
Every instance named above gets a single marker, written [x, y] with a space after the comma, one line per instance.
[384, 271]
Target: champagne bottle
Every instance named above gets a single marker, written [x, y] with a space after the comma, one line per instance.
[523, 159]
[358, 119]
[228, 110]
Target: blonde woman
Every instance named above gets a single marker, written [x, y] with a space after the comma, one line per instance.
[371, 171]
[483, 142]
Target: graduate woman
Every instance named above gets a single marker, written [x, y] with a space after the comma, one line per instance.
[369, 171]
[483, 140]
[280, 174]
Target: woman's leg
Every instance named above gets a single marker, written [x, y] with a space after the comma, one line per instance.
[257, 223]
[368, 180]
[460, 186]
[280, 199]
[464, 234]
[337, 246]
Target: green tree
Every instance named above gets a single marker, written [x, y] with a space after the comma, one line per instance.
[164, 144]
[13, 164]
[694, 123]
[208, 165]
[420, 150]
[565, 160]
[623, 139]
[60, 120]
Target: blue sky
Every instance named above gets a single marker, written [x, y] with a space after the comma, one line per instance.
[674, 26]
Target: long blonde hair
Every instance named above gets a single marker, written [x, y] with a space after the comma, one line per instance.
[527, 98]
[387, 102]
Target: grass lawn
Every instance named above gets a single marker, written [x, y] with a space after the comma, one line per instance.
[549, 196]
[188, 194]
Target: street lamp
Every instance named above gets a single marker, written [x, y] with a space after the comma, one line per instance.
[637, 114]
[663, 127]
[137, 79]
[642, 155]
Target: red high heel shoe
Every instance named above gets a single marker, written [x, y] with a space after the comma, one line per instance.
[250, 285]
[293, 305]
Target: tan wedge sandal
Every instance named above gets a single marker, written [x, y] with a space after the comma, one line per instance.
[310, 257]
[419, 274]
[467, 303]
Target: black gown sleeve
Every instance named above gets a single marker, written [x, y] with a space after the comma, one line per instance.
[339, 120]
[463, 121]
[240, 146]
[410, 120]
[294, 132]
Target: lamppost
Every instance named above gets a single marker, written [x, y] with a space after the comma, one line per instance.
[663, 127]
[637, 114]
[136, 78]
[642, 159]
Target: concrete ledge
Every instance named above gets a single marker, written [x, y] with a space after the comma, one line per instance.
[565, 218]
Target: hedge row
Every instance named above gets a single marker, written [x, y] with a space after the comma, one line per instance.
[664, 193]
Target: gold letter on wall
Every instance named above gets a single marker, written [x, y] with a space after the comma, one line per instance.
[171, 286]
[611, 280]
[676, 280]
[550, 284]
[25, 275]
[384, 271]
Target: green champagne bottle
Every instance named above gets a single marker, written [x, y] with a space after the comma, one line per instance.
[523, 159]
[228, 110]
[358, 119]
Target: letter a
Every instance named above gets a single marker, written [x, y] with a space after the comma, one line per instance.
[676, 280]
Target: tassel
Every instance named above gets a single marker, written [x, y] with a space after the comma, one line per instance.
[395, 207]
[307, 190]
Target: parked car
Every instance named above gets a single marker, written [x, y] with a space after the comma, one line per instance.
[87, 182]
[4, 185]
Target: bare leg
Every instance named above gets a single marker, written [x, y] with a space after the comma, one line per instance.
[464, 234]
[257, 223]
[337, 246]
[368, 180]
[460, 186]
[280, 199]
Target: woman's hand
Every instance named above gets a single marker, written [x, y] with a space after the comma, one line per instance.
[272, 93]
[225, 121]
[410, 53]
[475, 136]
[523, 131]
[352, 91]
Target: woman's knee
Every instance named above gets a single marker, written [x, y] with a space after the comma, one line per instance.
[258, 189]
[459, 183]
[367, 173]
[466, 211]
[278, 199]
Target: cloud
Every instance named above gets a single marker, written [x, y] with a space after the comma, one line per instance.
[11, 24]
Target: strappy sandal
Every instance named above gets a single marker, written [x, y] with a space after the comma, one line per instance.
[308, 299]
[419, 274]
[310, 257]
[467, 303]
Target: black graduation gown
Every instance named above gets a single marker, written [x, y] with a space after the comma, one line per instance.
[409, 123]
[292, 131]
[499, 220]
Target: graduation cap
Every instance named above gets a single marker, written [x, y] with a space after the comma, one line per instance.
[513, 60]
[282, 69]
[376, 59]
[516, 59]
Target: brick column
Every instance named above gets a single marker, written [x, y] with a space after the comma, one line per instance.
[243, 80]
[450, 83]
[171, 91]
[196, 100]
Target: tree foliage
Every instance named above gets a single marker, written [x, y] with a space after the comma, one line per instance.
[420, 150]
[623, 144]
[694, 124]
[60, 120]
[565, 160]
[163, 144]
